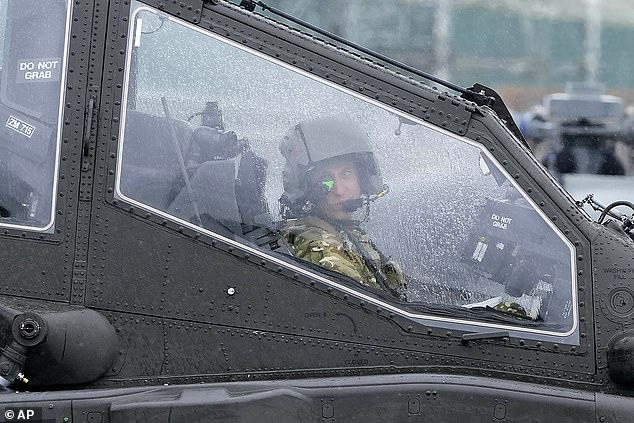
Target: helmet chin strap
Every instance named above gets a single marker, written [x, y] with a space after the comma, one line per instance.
[352, 205]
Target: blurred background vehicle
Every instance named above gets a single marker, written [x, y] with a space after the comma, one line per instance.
[584, 138]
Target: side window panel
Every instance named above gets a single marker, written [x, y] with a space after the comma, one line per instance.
[31, 82]
[221, 138]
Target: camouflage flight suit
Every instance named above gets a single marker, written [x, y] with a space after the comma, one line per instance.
[347, 250]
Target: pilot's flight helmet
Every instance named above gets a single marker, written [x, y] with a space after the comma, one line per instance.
[318, 140]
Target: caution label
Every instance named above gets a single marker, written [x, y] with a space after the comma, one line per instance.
[39, 70]
[500, 222]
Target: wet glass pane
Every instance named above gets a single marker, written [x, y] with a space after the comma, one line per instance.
[219, 137]
[34, 44]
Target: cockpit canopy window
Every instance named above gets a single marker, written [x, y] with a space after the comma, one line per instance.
[408, 216]
[34, 35]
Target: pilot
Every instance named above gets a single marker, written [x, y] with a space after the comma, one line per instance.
[330, 179]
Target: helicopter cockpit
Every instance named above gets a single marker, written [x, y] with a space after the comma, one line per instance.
[31, 87]
[466, 235]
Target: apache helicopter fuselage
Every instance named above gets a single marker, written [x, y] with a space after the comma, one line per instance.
[147, 189]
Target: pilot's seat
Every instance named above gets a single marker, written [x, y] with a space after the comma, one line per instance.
[151, 172]
[227, 186]
[202, 175]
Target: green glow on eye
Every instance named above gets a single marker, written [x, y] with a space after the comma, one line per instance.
[328, 184]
